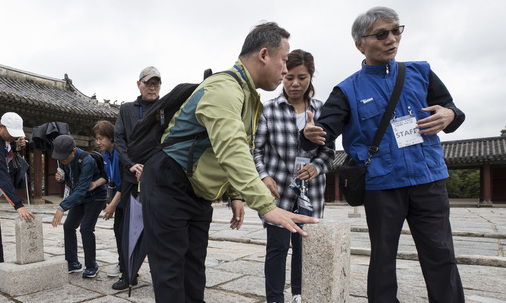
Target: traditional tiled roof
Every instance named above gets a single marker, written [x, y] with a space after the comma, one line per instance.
[55, 100]
[478, 151]
[461, 153]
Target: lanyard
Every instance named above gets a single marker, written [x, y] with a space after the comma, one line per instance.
[240, 72]
[112, 164]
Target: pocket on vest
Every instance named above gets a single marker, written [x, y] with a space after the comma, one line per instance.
[432, 151]
[381, 163]
[369, 108]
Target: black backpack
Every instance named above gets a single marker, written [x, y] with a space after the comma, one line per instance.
[98, 159]
[147, 132]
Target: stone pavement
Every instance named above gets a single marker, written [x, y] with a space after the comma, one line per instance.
[235, 258]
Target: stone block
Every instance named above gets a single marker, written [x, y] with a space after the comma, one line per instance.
[29, 241]
[17, 280]
[326, 262]
[355, 213]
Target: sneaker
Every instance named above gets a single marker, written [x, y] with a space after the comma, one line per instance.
[123, 284]
[296, 299]
[91, 272]
[75, 267]
[114, 272]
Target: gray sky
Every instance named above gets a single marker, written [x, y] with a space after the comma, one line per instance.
[103, 45]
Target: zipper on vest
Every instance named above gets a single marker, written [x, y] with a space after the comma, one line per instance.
[388, 68]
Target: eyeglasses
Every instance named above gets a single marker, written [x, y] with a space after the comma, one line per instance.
[383, 34]
[154, 84]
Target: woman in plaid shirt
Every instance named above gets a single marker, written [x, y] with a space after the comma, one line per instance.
[277, 146]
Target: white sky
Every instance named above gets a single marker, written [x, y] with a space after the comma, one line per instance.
[103, 45]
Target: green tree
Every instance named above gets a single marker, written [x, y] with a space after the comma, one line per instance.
[503, 132]
[453, 184]
[463, 183]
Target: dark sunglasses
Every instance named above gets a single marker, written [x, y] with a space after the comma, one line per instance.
[383, 34]
[155, 84]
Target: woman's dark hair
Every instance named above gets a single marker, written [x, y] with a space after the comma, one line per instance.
[104, 128]
[299, 57]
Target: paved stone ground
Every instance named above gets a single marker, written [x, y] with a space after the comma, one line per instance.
[235, 258]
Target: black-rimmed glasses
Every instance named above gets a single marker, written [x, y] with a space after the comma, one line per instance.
[383, 34]
[155, 84]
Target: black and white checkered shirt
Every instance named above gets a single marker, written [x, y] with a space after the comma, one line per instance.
[276, 147]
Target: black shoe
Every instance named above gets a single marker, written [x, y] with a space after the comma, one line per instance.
[123, 284]
[91, 272]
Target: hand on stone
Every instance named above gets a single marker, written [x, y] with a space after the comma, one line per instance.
[25, 214]
[288, 220]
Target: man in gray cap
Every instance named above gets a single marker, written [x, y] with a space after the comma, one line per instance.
[11, 129]
[149, 83]
[77, 169]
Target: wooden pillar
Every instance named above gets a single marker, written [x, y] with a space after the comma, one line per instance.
[337, 192]
[487, 183]
[37, 177]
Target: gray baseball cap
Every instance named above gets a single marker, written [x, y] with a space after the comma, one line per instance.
[148, 73]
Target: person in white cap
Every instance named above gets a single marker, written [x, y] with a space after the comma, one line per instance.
[11, 129]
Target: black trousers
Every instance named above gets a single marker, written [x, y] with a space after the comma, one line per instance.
[1, 246]
[85, 216]
[118, 234]
[176, 230]
[427, 211]
[278, 243]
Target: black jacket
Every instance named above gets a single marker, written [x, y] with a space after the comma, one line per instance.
[6, 185]
[129, 114]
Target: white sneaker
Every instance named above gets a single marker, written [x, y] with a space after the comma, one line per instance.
[114, 272]
[296, 299]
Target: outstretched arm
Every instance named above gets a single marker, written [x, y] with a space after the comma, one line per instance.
[314, 133]
[288, 220]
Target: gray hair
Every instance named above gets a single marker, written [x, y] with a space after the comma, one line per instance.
[366, 20]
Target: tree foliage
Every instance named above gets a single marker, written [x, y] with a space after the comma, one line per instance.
[463, 183]
[503, 132]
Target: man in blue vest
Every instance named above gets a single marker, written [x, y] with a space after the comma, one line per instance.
[405, 178]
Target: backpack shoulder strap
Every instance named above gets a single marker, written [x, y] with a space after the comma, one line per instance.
[234, 75]
[80, 163]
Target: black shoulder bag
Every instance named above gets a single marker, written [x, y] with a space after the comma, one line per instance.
[352, 176]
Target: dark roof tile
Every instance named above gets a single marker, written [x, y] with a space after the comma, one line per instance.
[58, 96]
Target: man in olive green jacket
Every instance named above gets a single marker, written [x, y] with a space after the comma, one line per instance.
[177, 203]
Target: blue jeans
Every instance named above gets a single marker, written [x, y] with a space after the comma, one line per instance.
[84, 215]
[278, 243]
